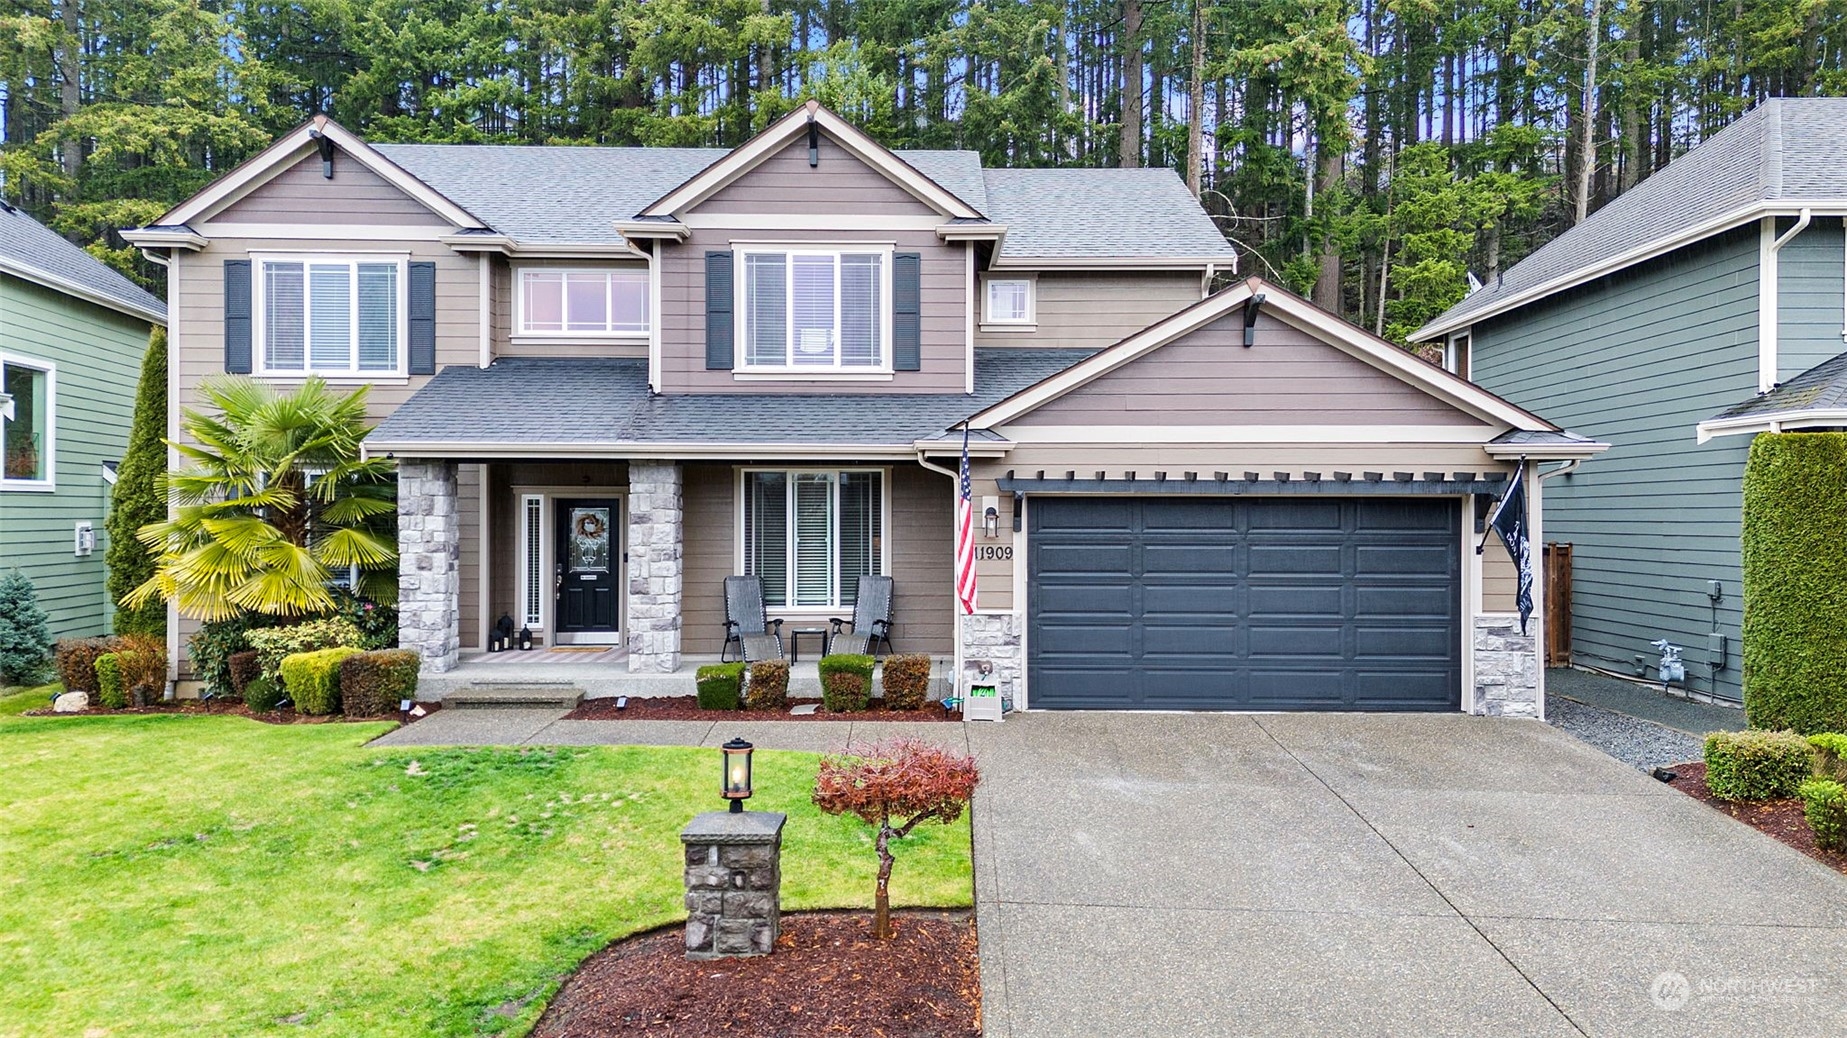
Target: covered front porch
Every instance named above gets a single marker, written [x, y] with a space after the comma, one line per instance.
[598, 678]
[614, 569]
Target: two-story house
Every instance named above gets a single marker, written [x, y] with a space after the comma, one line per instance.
[72, 336]
[1664, 325]
[612, 377]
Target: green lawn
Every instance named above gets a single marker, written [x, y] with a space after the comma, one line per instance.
[173, 875]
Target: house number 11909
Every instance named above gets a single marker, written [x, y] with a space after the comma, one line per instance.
[994, 551]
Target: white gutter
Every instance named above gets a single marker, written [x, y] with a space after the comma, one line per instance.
[72, 288]
[1769, 246]
[1776, 421]
[605, 449]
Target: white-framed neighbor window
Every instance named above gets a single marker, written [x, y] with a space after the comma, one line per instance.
[28, 423]
[814, 309]
[1456, 354]
[331, 315]
[588, 303]
[811, 533]
[1009, 302]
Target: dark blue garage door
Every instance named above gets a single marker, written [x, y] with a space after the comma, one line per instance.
[1314, 603]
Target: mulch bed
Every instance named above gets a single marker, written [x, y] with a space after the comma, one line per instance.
[826, 977]
[233, 708]
[686, 708]
[1782, 819]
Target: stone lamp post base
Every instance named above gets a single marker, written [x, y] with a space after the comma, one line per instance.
[733, 883]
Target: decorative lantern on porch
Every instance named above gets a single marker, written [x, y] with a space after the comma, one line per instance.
[525, 639]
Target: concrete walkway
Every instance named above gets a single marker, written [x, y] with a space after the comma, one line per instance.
[1297, 874]
[522, 727]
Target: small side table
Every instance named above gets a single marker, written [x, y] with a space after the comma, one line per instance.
[795, 640]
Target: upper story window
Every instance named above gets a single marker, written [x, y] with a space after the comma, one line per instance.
[583, 302]
[26, 423]
[331, 315]
[1008, 301]
[1456, 354]
[816, 309]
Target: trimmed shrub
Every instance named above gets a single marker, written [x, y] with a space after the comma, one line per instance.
[245, 667]
[719, 685]
[1795, 582]
[1830, 755]
[211, 647]
[143, 659]
[110, 691]
[1757, 765]
[138, 500]
[846, 682]
[25, 637]
[372, 683]
[768, 687]
[76, 661]
[275, 643]
[1824, 804]
[905, 681]
[313, 679]
[263, 694]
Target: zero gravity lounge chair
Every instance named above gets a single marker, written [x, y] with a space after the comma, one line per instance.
[747, 623]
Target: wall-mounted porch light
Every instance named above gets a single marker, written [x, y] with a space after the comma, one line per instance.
[736, 787]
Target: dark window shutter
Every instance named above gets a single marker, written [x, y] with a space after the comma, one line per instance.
[720, 322]
[237, 316]
[423, 318]
[906, 312]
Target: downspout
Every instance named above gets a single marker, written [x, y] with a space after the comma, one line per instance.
[1770, 245]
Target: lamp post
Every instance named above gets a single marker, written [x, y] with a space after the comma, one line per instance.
[736, 787]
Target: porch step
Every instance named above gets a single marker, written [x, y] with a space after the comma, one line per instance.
[486, 695]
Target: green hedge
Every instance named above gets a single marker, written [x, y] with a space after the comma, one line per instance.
[768, 687]
[263, 694]
[328, 632]
[110, 691]
[373, 683]
[719, 685]
[1795, 582]
[846, 682]
[905, 681]
[1824, 804]
[1830, 755]
[1757, 765]
[313, 679]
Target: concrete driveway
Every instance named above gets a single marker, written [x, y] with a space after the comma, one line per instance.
[1209, 874]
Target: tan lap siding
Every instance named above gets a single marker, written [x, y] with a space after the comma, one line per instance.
[836, 183]
[1093, 309]
[468, 524]
[354, 195]
[708, 495]
[944, 331]
[1208, 377]
[1500, 581]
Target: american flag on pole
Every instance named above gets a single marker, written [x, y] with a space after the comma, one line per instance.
[965, 534]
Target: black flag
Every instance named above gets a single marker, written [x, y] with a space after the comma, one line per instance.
[1509, 520]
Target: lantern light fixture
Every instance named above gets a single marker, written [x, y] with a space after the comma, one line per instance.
[525, 639]
[736, 787]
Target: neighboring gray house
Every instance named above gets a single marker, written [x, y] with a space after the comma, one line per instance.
[612, 377]
[1654, 326]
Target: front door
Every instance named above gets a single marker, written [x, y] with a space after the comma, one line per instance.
[590, 570]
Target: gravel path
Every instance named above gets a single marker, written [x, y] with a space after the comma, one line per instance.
[1637, 743]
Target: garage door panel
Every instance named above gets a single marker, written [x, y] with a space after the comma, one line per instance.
[1281, 559]
[1244, 603]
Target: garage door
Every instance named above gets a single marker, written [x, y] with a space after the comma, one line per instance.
[1244, 603]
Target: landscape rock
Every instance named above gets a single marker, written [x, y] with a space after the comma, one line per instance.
[71, 703]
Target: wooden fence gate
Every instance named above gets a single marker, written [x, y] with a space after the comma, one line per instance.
[1558, 605]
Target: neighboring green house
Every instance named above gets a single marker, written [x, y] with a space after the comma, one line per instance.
[1661, 325]
[72, 333]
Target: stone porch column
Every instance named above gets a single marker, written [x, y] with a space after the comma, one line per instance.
[656, 534]
[429, 557]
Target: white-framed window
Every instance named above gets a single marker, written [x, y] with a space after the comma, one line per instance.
[814, 309]
[810, 534]
[331, 315]
[1008, 301]
[28, 423]
[1456, 354]
[588, 303]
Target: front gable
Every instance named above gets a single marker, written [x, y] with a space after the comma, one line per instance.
[303, 193]
[835, 181]
[1253, 356]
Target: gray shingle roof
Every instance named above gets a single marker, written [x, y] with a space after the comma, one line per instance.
[556, 195]
[1144, 213]
[1820, 388]
[605, 402]
[1786, 149]
[31, 250]
[1542, 438]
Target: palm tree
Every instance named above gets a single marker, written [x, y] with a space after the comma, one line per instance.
[274, 503]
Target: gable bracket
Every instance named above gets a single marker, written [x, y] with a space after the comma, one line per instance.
[1251, 306]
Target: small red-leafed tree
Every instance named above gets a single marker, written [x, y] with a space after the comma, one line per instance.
[896, 785]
